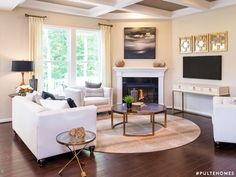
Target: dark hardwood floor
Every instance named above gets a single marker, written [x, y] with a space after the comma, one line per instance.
[201, 155]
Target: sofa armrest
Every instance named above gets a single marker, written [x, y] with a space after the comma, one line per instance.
[108, 93]
[75, 94]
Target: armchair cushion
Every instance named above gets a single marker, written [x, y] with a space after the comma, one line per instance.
[94, 92]
[95, 101]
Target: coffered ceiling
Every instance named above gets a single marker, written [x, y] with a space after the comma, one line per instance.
[121, 9]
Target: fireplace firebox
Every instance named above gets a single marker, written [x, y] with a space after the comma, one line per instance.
[146, 88]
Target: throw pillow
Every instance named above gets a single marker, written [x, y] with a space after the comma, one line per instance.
[94, 92]
[71, 103]
[92, 85]
[54, 104]
[46, 95]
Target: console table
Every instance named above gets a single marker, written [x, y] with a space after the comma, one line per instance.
[208, 90]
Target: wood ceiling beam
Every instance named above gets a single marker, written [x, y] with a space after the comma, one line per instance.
[10, 5]
[198, 4]
[150, 11]
[101, 10]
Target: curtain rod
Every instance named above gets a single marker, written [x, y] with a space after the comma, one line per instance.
[28, 15]
[101, 24]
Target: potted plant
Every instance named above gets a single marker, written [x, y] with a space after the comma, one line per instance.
[128, 100]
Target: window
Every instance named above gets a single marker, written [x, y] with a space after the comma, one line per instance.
[87, 57]
[70, 57]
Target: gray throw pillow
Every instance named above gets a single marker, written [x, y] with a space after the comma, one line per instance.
[94, 92]
[92, 85]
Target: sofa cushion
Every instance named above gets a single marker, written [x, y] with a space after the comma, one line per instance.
[95, 101]
[54, 104]
[92, 85]
[94, 92]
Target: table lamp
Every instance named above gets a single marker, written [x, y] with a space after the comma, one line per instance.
[22, 66]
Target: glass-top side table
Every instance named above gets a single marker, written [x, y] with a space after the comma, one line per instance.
[69, 141]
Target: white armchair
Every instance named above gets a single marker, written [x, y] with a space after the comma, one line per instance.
[103, 104]
[224, 119]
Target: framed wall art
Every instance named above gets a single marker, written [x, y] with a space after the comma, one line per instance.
[200, 43]
[186, 44]
[218, 42]
[140, 43]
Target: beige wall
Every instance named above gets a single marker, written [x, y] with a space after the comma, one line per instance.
[14, 45]
[219, 20]
[163, 48]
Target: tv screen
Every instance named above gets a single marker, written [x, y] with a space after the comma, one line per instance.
[202, 67]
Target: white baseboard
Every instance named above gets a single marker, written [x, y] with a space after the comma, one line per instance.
[193, 111]
[5, 120]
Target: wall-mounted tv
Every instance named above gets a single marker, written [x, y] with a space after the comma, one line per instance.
[202, 67]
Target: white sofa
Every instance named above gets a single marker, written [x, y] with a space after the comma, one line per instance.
[38, 127]
[224, 119]
[103, 104]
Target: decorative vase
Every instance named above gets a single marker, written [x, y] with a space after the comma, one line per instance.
[129, 105]
[120, 63]
[159, 64]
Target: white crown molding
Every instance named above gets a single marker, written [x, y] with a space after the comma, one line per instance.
[197, 4]
[184, 12]
[9, 5]
[54, 8]
[223, 3]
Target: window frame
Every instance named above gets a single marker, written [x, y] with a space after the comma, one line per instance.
[71, 56]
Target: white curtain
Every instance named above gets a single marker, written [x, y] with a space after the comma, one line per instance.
[35, 46]
[106, 55]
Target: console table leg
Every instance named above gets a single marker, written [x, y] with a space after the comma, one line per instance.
[173, 102]
[112, 120]
[182, 101]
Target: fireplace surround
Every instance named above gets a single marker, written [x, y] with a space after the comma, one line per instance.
[140, 72]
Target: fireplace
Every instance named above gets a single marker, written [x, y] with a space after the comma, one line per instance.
[143, 89]
[140, 72]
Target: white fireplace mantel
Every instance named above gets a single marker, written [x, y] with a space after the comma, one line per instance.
[157, 72]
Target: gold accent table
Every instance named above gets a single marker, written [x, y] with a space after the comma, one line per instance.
[148, 109]
[65, 139]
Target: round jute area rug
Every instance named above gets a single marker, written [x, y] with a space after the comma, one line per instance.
[179, 132]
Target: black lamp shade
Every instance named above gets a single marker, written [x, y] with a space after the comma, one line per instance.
[22, 66]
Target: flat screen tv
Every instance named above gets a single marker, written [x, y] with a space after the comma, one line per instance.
[202, 67]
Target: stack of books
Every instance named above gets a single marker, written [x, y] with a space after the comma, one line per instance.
[138, 104]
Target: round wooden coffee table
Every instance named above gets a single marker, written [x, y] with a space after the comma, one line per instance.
[148, 109]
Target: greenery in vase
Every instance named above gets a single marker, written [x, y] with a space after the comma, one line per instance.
[128, 99]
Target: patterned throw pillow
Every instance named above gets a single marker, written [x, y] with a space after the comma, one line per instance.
[94, 92]
[92, 85]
